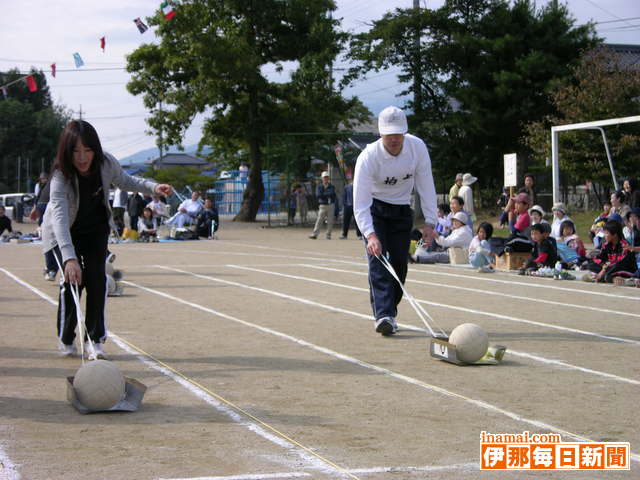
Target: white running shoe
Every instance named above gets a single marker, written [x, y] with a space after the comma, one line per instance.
[97, 354]
[386, 326]
[486, 269]
[67, 350]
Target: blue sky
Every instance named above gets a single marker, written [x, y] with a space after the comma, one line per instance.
[38, 33]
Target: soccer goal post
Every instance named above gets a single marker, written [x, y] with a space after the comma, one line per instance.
[555, 161]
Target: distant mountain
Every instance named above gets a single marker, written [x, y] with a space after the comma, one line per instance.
[151, 153]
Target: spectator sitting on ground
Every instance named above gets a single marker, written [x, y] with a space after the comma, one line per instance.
[207, 222]
[544, 253]
[147, 226]
[443, 226]
[618, 204]
[630, 187]
[187, 212]
[456, 204]
[615, 259]
[560, 214]
[570, 247]
[5, 222]
[537, 215]
[480, 254]
[158, 208]
[633, 238]
[460, 237]
[595, 234]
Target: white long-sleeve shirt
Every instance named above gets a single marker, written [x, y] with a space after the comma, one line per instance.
[391, 179]
[459, 238]
[466, 194]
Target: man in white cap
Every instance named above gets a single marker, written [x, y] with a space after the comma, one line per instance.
[326, 196]
[386, 173]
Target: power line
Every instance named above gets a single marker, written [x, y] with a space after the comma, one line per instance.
[605, 10]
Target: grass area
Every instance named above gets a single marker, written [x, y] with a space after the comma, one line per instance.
[582, 220]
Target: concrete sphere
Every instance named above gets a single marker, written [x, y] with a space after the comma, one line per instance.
[471, 342]
[99, 385]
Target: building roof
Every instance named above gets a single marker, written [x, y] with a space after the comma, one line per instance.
[178, 159]
[629, 54]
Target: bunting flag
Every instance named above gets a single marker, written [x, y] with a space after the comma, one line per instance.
[167, 10]
[78, 59]
[102, 43]
[140, 24]
[5, 93]
[31, 83]
[53, 70]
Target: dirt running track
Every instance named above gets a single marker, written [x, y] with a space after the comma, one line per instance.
[261, 362]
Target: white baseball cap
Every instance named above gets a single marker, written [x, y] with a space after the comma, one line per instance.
[392, 120]
[324, 174]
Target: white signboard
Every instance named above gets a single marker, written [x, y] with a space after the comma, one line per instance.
[510, 170]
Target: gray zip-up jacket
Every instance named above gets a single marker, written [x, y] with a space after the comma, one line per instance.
[64, 203]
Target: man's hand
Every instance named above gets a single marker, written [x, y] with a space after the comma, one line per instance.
[374, 247]
[163, 189]
[72, 272]
[428, 234]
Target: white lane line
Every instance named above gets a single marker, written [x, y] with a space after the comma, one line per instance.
[487, 292]
[530, 356]
[370, 366]
[8, 470]
[484, 278]
[277, 249]
[359, 471]
[312, 461]
[435, 304]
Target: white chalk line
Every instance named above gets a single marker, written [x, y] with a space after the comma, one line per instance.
[453, 307]
[8, 470]
[367, 365]
[485, 278]
[278, 249]
[313, 462]
[489, 292]
[559, 363]
[359, 471]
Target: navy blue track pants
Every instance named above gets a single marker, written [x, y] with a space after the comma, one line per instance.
[392, 224]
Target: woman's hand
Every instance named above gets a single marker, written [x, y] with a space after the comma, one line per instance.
[72, 272]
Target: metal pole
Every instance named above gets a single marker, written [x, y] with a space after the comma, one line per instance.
[268, 184]
[555, 168]
[606, 147]
[19, 172]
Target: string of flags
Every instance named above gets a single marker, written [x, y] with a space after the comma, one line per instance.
[168, 12]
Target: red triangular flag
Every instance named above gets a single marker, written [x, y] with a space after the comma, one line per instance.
[102, 42]
[53, 70]
[31, 83]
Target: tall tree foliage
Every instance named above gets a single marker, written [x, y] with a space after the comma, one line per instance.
[30, 125]
[603, 86]
[487, 67]
[212, 58]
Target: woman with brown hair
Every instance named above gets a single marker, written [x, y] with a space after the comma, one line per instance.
[78, 221]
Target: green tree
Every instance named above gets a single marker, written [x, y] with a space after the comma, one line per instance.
[487, 67]
[181, 177]
[213, 57]
[30, 125]
[603, 86]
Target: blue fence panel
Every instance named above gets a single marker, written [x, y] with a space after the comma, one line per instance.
[228, 192]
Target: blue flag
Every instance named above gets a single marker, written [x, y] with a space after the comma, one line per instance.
[78, 59]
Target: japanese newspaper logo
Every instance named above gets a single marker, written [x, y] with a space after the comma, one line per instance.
[525, 451]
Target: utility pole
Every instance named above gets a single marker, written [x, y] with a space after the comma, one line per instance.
[80, 113]
[161, 143]
[417, 67]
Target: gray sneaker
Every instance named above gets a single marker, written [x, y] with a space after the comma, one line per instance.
[386, 326]
[67, 350]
